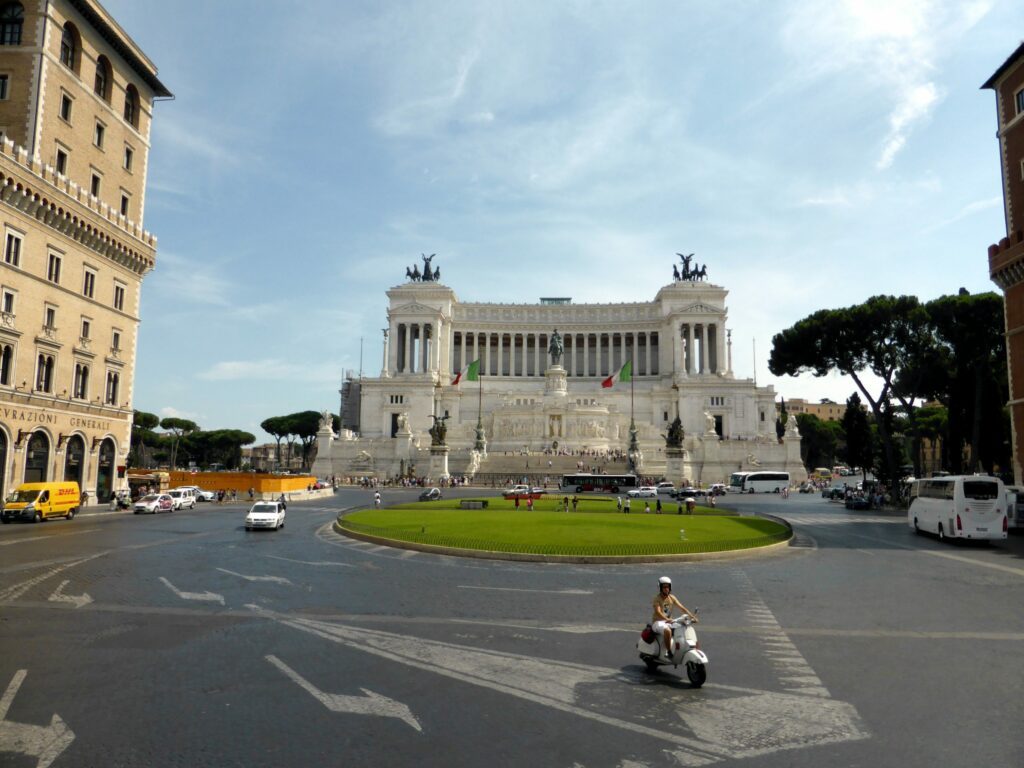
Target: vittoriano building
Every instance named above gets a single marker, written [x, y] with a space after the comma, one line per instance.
[525, 402]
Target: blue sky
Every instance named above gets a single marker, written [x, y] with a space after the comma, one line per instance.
[811, 153]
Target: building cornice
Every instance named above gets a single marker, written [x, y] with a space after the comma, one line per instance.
[37, 190]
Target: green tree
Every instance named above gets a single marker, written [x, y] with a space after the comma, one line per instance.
[879, 336]
[859, 448]
[143, 424]
[780, 422]
[276, 427]
[177, 428]
[305, 425]
[819, 440]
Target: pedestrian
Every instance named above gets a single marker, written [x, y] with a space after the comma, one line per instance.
[658, 506]
[529, 504]
[565, 503]
[618, 503]
[680, 502]
[252, 493]
[517, 503]
[575, 501]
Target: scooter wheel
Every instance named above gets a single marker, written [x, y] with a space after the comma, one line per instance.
[697, 673]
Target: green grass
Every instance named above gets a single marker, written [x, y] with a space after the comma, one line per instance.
[595, 530]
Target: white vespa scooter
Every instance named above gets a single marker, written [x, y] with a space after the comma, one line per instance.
[685, 650]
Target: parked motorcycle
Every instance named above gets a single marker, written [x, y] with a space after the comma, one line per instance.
[685, 650]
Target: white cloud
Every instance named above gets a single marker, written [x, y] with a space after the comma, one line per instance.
[170, 412]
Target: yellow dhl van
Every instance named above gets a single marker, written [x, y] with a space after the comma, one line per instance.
[41, 501]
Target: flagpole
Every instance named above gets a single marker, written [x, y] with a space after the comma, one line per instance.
[478, 444]
[634, 447]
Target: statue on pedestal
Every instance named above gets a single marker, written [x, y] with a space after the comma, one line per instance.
[439, 431]
[674, 438]
[555, 348]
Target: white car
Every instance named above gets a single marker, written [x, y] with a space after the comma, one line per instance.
[666, 488]
[265, 514]
[201, 495]
[643, 492]
[516, 490]
[183, 497]
[153, 503]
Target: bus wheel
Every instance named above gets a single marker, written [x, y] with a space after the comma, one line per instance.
[942, 534]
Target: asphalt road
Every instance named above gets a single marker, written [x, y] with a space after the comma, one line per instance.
[183, 640]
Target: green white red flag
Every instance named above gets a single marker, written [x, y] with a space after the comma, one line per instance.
[471, 373]
[625, 374]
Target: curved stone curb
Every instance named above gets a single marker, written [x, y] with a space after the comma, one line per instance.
[481, 554]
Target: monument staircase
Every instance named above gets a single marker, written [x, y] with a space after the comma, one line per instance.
[501, 469]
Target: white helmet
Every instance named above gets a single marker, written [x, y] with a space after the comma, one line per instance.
[664, 580]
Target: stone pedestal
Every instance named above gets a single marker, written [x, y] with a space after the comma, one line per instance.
[555, 382]
[676, 471]
[438, 462]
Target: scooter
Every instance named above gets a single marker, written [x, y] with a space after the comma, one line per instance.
[685, 650]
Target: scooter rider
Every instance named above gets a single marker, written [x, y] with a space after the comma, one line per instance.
[661, 622]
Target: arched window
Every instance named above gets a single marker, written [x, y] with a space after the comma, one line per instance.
[6, 364]
[103, 78]
[12, 15]
[44, 373]
[70, 47]
[81, 388]
[112, 383]
[131, 105]
[37, 458]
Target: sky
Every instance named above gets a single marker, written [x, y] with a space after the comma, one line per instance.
[811, 153]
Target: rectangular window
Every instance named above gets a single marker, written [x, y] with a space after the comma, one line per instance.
[1019, 99]
[3, 86]
[8, 303]
[61, 163]
[129, 155]
[53, 271]
[12, 251]
[97, 137]
[85, 328]
[65, 107]
[94, 185]
[118, 296]
[50, 318]
[115, 340]
[124, 204]
[89, 283]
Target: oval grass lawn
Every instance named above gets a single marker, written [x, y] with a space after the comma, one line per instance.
[547, 530]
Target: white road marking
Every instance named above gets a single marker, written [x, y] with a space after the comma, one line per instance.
[789, 721]
[277, 579]
[948, 555]
[45, 743]
[17, 590]
[208, 596]
[51, 537]
[795, 674]
[369, 703]
[312, 562]
[58, 596]
[544, 591]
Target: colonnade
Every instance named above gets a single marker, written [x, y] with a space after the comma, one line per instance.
[584, 354]
[700, 348]
[414, 348]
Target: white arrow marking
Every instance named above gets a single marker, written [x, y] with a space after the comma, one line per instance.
[278, 579]
[699, 737]
[44, 742]
[58, 596]
[545, 591]
[369, 704]
[209, 596]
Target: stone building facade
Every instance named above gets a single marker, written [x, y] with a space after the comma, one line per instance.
[678, 345]
[76, 102]
[1006, 258]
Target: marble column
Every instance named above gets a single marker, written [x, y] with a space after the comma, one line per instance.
[536, 354]
[384, 363]
[647, 353]
[704, 356]
[407, 350]
[501, 351]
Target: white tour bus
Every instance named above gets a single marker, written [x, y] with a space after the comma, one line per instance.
[758, 482]
[960, 506]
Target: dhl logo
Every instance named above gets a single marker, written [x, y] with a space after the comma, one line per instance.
[67, 492]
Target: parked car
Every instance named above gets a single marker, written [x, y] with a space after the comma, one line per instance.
[153, 503]
[668, 488]
[432, 494]
[517, 490]
[183, 497]
[201, 495]
[265, 514]
[643, 492]
[684, 493]
[718, 489]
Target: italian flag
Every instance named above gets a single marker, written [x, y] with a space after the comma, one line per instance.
[471, 372]
[625, 374]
